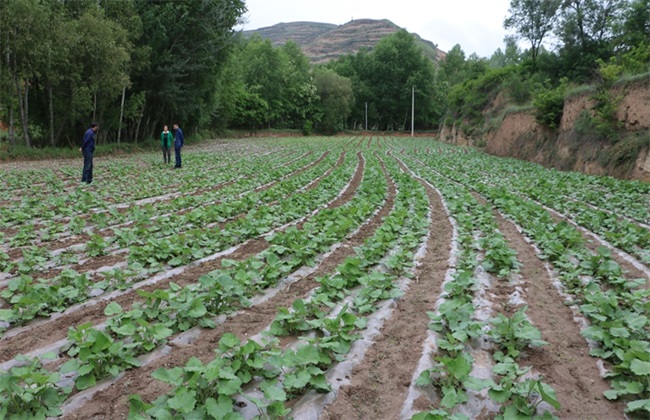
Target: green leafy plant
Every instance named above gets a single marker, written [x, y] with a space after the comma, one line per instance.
[519, 398]
[452, 376]
[515, 333]
[549, 105]
[96, 246]
[95, 355]
[31, 391]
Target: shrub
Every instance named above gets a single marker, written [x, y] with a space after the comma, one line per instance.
[549, 105]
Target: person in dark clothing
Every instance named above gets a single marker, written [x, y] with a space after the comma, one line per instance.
[88, 148]
[179, 140]
[166, 142]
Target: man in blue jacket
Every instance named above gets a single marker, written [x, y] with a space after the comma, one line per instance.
[178, 144]
[88, 148]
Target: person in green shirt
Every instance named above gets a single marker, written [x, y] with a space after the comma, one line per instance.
[166, 138]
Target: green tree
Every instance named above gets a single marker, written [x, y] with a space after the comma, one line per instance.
[262, 75]
[532, 20]
[453, 68]
[23, 24]
[336, 99]
[586, 31]
[358, 69]
[399, 66]
[187, 45]
[510, 57]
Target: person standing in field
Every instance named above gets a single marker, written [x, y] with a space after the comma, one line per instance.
[88, 148]
[179, 140]
[166, 142]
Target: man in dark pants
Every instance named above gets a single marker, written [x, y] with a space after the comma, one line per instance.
[178, 144]
[88, 148]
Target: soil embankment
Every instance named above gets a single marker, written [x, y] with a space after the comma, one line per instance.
[626, 156]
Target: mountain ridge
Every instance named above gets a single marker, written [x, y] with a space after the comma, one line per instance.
[322, 42]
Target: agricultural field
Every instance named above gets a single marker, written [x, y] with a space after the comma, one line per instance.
[334, 278]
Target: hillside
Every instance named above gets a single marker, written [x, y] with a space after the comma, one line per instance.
[322, 42]
[572, 146]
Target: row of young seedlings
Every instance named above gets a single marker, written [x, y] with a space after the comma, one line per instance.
[71, 217]
[627, 235]
[165, 219]
[95, 354]
[142, 225]
[328, 322]
[76, 220]
[629, 199]
[39, 258]
[52, 204]
[28, 299]
[616, 306]
[459, 381]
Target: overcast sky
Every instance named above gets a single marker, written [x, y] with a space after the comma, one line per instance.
[477, 25]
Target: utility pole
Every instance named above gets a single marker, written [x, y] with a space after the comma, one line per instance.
[412, 111]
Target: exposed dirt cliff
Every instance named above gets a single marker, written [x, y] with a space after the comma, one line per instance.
[571, 146]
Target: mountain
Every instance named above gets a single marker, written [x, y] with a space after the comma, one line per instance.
[322, 42]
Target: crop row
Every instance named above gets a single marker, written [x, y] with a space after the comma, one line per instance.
[151, 248]
[614, 304]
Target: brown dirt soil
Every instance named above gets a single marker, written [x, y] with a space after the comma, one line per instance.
[565, 362]
[380, 382]
[112, 403]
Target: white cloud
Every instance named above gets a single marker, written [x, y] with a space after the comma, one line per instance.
[477, 25]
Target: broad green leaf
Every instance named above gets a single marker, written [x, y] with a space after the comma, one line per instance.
[619, 332]
[640, 367]
[320, 383]
[6, 315]
[69, 366]
[638, 405]
[112, 308]
[220, 408]
[548, 394]
[126, 329]
[273, 392]
[450, 400]
[307, 354]
[172, 376]
[297, 380]
[476, 384]
[84, 382]
[184, 400]
[197, 309]
[228, 341]
[229, 386]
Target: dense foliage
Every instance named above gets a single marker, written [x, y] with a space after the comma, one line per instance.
[595, 42]
[132, 65]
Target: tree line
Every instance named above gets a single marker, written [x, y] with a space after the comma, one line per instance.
[130, 65]
[134, 65]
